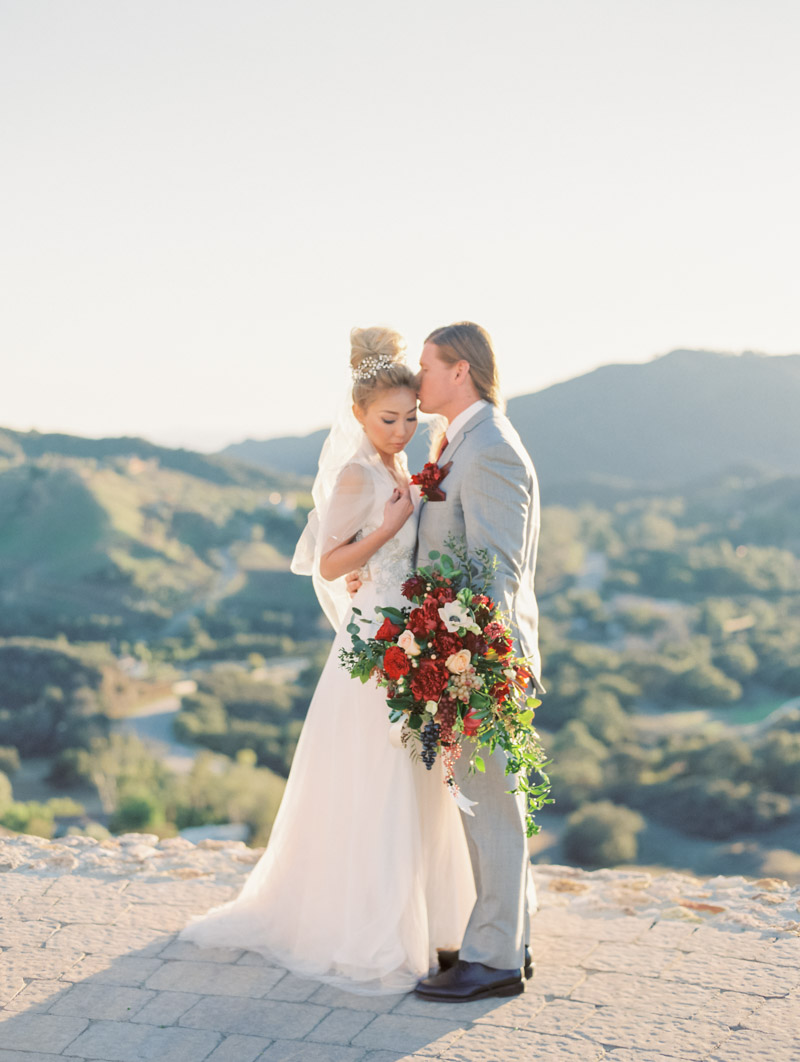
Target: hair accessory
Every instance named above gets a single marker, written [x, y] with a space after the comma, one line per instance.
[370, 366]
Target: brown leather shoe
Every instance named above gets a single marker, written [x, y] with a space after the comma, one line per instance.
[466, 981]
[449, 958]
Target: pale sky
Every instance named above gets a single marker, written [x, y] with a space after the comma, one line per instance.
[199, 198]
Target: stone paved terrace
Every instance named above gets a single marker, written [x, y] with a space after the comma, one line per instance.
[630, 968]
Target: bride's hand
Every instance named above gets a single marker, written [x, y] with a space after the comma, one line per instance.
[353, 583]
[397, 510]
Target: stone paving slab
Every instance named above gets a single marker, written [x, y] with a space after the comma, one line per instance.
[114, 1041]
[630, 967]
[238, 1049]
[292, 1051]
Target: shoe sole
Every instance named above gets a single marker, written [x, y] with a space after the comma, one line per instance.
[527, 970]
[485, 993]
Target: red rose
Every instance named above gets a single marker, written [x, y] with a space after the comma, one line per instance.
[423, 620]
[395, 662]
[446, 644]
[429, 680]
[502, 646]
[413, 587]
[429, 478]
[444, 594]
[483, 607]
[471, 724]
[476, 645]
[388, 631]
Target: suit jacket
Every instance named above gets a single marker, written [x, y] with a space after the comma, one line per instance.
[492, 503]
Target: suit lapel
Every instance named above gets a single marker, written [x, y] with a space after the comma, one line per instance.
[473, 422]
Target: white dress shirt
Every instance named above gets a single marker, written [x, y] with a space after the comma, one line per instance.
[459, 421]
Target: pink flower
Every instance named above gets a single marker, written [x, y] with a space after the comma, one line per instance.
[458, 662]
[408, 643]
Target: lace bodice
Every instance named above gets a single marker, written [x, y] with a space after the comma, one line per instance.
[353, 508]
[389, 567]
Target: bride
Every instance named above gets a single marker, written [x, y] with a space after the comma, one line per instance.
[366, 872]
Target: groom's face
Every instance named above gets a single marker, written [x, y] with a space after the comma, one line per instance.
[436, 381]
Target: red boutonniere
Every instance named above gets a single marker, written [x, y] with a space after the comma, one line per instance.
[428, 481]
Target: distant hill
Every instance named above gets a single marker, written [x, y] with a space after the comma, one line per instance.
[300, 453]
[688, 415]
[110, 538]
[683, 417]
[289, 453]
[214, 468]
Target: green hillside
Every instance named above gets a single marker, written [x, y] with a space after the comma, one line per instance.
[670, 630]
[113, 538]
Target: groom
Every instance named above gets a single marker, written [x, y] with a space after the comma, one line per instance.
[491, 502]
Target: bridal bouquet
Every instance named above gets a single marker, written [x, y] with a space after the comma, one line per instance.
[446, 661]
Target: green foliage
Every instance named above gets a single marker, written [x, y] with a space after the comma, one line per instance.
[137, 813]
[719, 808]
[51, 695]
[119, 766]
[217, 790]
[640, 619]
[6, 793]
[108, 540]
[602, 715]
[777, 762]
[562, 552]
[602, 835]
[231, 711]
[9, 759]
[703, 683]
[627, 769]
[105, 538]
[35, 817]
[737, 660]
[575, 778]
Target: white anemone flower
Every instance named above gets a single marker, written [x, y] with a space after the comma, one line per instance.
[454, 615]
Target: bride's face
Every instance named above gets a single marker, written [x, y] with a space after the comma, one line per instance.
[390, 419]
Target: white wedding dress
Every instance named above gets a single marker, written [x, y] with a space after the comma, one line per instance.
[367, 871]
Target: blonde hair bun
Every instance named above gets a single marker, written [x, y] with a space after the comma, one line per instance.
[377, 362]
[375, 342]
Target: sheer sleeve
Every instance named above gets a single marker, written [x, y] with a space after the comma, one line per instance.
[335, 522]
[349, 507]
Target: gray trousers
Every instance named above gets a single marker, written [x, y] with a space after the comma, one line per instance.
[499, 925]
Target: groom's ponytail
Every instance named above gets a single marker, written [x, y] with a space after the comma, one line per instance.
[469, 342]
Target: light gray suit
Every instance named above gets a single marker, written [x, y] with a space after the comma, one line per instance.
[492, 502]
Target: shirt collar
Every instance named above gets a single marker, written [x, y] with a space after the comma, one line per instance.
[459, 422]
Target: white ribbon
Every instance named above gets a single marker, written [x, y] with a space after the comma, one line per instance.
[464, 802]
